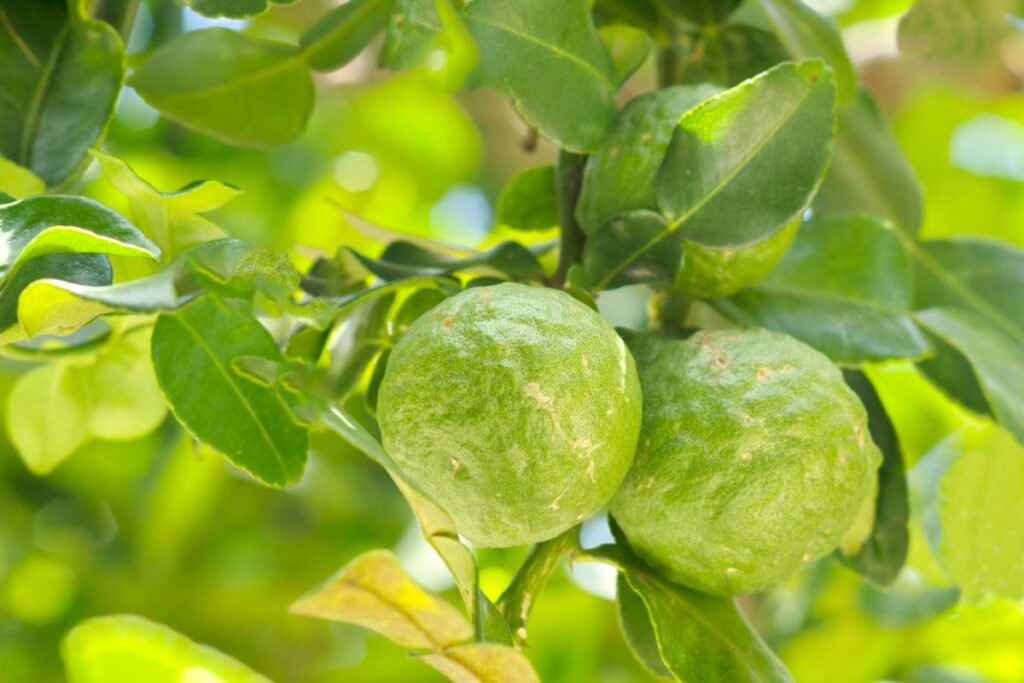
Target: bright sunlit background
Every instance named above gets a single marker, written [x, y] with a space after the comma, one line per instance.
[156, 528]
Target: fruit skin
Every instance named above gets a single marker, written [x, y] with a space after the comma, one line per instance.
[515, 408]
[754, 459]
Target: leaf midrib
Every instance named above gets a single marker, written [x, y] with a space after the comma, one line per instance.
[234, 388]
[831, 296]
[585, 65]
[711, 194]
[33, 114]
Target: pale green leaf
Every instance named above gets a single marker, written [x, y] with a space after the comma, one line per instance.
[252, 426]
[46, 421]
[528, 201]
[548, 60]
[199, 197]
[241, 89]
[19, 182]
[967, 490]
[480, 663]
[62, 75]
[628, 48]
[130, 649]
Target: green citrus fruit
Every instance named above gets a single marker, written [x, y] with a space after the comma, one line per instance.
[754, 459]
[515, 408]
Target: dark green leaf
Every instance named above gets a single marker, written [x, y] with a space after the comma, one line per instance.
[628, 48]
[636, 625]
[339, 36]
[640, 13]
[718, 186]
[548, 59]
[622, 175]
[241, 89]
[402, 259]
[252, 426]
[700, 637]
[883, 554]
[528, 201]
[61, 77]
[362, 338]
[869, 173]
[602, 267]
[845, 287]
[806, 34]
[234, 9]
[731, 55]
[49, 224]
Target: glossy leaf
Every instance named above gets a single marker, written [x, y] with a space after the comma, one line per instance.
[881, 557]
[548, 60]
[50, 224]
[635, 621]
[731, 55]
[869, 173]
[216, 80]
[403, 259]
[343, 33]
[127, 649]
[700, 637]
[622, 174]
[807, 34]
[45, 438]
[968, 492]
[845, 287]
[528, 201]
[19, 182]
[628, 48]
[62, 75]
[717, 187]
[251, 425]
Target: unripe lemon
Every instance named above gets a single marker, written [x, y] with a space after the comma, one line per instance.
[515, 408]
[754, 459]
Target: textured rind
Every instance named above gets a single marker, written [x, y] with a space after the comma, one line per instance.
[515, 408]
[754, 459]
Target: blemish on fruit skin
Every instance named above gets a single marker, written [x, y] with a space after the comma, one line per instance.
[521, 633]
[447, 322]
[456, 465]
[764, 373]
[747, 420]
[859, 433]
[732, 571]
[787, 368]
[806, 557]
[586, 365]
[647, 136]
[746, 456]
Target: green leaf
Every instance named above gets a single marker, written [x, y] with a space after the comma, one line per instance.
[46, 420]
[699, 637]
[972, 285]
[19, 182]
[952, 29]
[622, 174]
[336, 38]
[90, 270]
[996, 358]
[709, 12]
[375, 592]
[129, 649]
[968, 492]
[628, 48]
[806, 34]
[233, 9]
[731, 55]
[881, 557]
[548, 60]
[50, 224]
[402, 259]
[845, 287]
[635, 621]
[62, 75]
[528, 201]
[640, 13]
[238, 88]
[718, 186]
[430, 35]
[869, 173]
[251, 425]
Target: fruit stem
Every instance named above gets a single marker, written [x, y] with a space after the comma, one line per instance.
[517, 600]
[668, 59]
[570, 181]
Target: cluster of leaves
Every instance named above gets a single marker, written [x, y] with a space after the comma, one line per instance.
[759, 186]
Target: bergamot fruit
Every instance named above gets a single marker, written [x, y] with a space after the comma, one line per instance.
[515, 408]
[754, 459]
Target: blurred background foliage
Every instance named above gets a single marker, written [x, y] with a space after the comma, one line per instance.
[154, 527]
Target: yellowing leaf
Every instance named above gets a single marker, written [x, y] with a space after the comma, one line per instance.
[376, 593]
[480, 663]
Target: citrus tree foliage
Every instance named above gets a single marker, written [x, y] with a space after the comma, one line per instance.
[757, 191]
